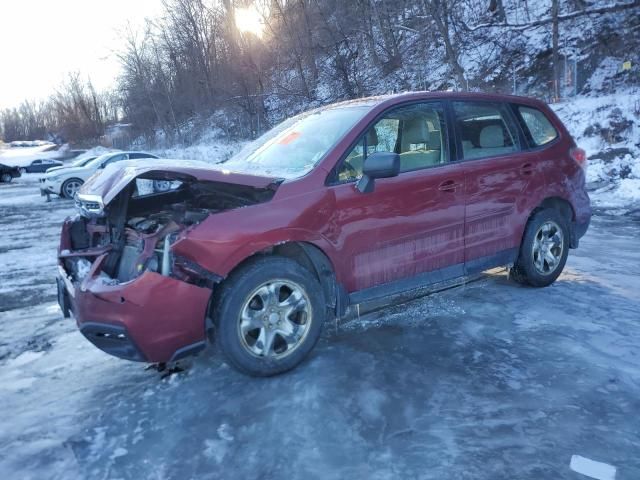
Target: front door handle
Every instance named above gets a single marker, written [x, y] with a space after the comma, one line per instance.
[449, 186]
[527, 169]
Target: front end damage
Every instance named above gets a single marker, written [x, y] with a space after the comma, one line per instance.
[130, 294]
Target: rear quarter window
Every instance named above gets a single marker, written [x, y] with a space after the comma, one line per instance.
[539, 129]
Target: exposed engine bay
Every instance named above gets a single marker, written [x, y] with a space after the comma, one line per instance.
[135, 231]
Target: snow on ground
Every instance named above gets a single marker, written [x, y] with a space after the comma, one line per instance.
[608, 128]
[212, 147]
[23, 156]
[211, 152]
[487, 381]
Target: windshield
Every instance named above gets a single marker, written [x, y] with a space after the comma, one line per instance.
[82, 162]
[294, 147]
[97, 161]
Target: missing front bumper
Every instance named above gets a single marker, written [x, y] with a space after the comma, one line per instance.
[112, 339]
[153, 318]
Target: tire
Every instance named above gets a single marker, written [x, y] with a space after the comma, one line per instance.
[6, 178]
[269, 298]
[544, 249]
[70, 187]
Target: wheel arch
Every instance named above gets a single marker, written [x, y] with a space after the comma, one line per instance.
[314, 259]
[560, 204]
[566, 210]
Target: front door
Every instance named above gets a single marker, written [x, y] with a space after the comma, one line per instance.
[410, 224]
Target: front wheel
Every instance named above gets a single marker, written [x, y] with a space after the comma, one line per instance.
[544, 249]
[70, 187]
[269, 316]
[22, 170]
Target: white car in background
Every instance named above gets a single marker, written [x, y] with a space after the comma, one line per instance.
[66, 181]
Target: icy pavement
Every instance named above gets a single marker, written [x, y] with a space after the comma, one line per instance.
[487, 381]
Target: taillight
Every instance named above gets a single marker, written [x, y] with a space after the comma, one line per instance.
[579, 156]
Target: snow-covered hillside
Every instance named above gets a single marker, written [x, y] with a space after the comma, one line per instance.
[608, 128]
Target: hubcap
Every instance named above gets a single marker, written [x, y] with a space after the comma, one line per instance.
[548, 246]
[72, 188]
[275, 319]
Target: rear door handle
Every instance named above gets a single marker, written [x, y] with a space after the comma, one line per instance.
[527, 169]
[449, 186]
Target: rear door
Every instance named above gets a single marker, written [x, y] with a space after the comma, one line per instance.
[410, 224]
[500, 178]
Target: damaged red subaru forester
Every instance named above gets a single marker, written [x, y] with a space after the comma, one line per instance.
[338, 206]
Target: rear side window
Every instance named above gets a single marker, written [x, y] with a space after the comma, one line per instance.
[486, 129]
[540, 129]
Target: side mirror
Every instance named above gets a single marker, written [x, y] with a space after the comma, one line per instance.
[378, 165]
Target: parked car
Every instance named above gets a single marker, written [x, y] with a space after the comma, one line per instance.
[40, 166]
[339, 206]
[8, 173]
[65, 181]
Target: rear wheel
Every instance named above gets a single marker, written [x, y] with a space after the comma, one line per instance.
[269, 316]
[70, 187]
[544, 249]
[6, 178]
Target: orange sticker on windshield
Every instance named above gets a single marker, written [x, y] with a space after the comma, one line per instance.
[289, 138]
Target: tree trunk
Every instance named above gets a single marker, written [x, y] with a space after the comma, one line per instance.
[555, 39]
[440, 14]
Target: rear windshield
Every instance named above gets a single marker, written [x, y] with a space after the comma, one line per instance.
[541, 131]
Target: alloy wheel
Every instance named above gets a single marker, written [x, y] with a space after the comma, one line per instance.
[275, 319]
[71, 188]
[548, 246]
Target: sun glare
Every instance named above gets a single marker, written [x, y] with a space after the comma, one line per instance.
[249, 20]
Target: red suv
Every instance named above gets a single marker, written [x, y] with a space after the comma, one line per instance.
[344, 204]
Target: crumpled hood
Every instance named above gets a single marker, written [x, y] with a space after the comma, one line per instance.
[107, 183]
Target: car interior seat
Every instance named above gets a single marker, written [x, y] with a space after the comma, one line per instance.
[491, 141]
[418, 145]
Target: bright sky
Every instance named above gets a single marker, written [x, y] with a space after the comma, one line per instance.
[42, 40]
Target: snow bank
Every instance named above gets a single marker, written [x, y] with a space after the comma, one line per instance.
[23, 156]
[214, 152]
